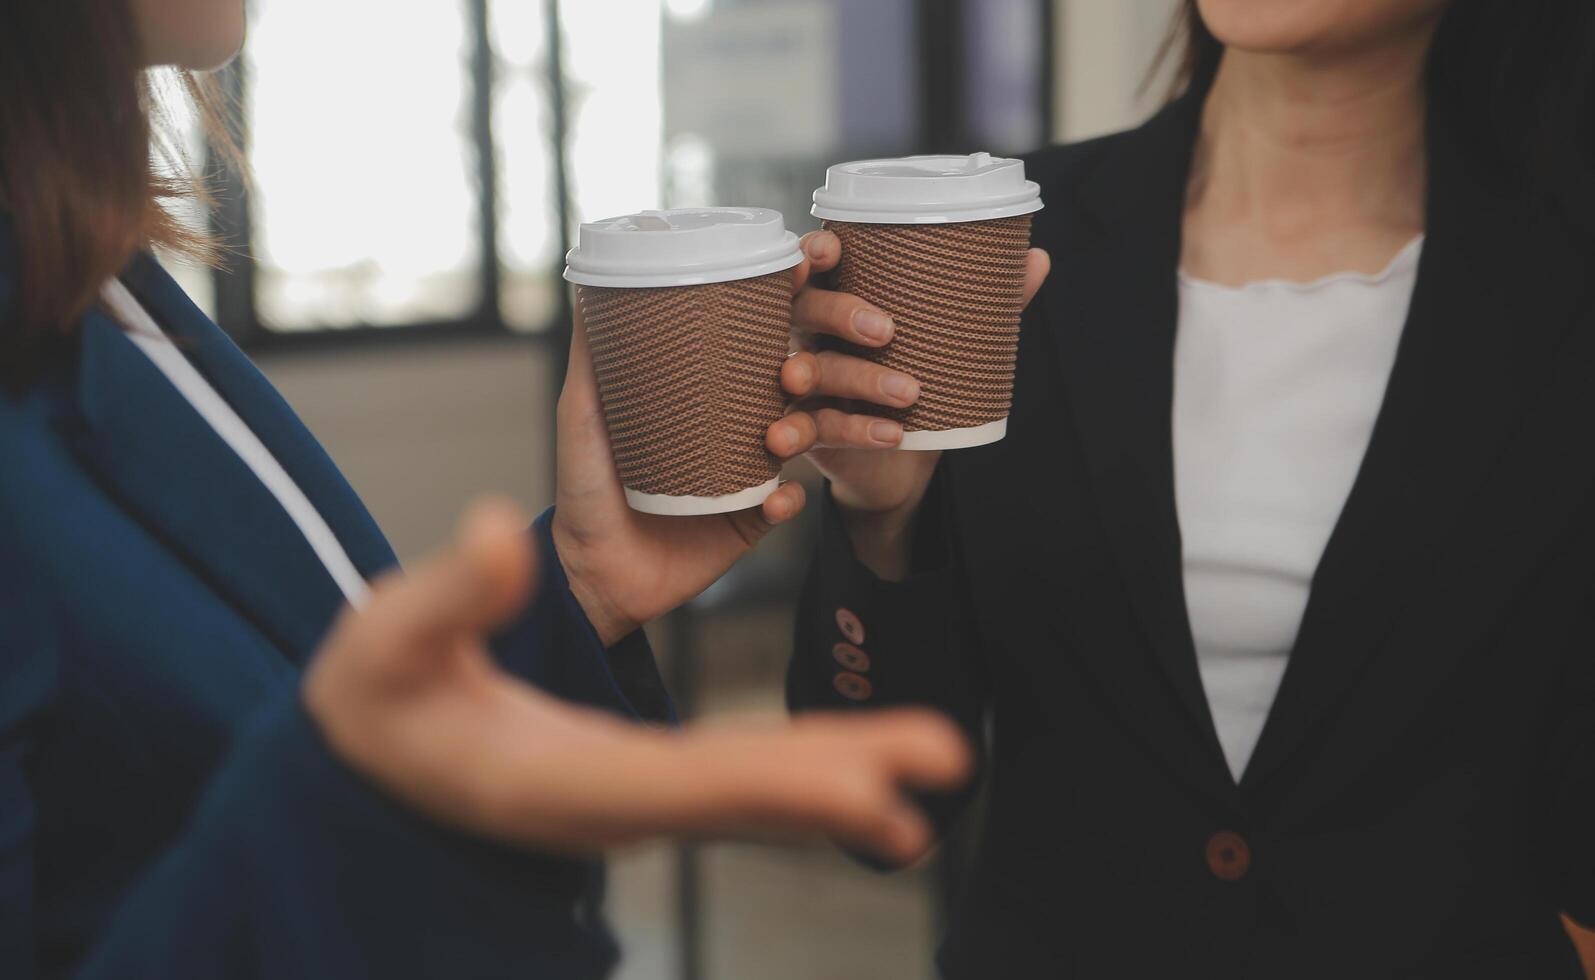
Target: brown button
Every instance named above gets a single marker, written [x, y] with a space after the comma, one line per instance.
[852, 686]
[851, 657]
[1228, 855]
[850, 626]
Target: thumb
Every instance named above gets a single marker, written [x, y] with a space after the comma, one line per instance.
[472, 586]
[579, 397]
[1037, 265]
[584, 463]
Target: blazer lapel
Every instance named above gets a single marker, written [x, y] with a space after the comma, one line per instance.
[266, 413]
[1482, 327]
[1113, 304]
[170, 469]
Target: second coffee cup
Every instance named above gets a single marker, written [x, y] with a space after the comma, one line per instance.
[688, 314]
[939, 243]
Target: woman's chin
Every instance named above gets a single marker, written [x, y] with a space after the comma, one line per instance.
[197, 57]
[198, 35]
[1294, 26]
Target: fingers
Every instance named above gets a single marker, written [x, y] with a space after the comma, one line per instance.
[886, 824]
[779, 507]
[822, 250]
[832, 374]
[822, 311]
[798, 432]
[919, 748]
[1037, 264]
[792, 435]
[909, 749]
[842, 430]
[801, 273]
[860, 767]
[586, 782]
[784, 504]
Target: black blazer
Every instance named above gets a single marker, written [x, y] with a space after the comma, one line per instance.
[1422, 800]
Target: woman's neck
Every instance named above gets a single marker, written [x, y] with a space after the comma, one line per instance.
[1308, 165]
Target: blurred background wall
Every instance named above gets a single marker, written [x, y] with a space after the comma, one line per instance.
[419, 170]
[417, 176]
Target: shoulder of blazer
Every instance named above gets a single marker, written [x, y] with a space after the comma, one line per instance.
[30, 407]
[1123, 178]
[1058, 170]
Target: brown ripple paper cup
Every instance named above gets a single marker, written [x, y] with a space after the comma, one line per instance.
[689, 372]
[940, 244]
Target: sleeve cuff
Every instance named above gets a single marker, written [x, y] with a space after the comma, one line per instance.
[554, 646]
[863, 641]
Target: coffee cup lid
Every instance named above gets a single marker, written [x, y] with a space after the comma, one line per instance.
[927, 190]
[681, 247]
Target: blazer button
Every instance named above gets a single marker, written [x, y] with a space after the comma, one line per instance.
[852, 686]
[850, 626]
[1228, 855]
[851, 657]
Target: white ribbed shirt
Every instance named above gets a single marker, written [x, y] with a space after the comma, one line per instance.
[1276, 388]
[219, 415]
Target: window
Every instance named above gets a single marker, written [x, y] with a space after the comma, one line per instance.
[360, 144]
[408, 164]
[422, 168]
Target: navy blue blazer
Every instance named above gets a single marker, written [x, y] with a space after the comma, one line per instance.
[166, 807]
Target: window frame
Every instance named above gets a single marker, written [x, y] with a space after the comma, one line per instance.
[234, 277]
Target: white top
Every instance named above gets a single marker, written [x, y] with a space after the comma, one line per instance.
[192, 385]
[1276, 387]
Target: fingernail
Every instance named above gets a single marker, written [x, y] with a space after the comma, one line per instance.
[885, 433]
[787, 439]
[780, 509]
[873, 325]
[813, 247]
[899, 387]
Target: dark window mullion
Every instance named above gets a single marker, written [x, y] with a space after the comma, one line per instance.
[230, 224]
[557, 135]
[941, 75]
[483, 72]
[1049, 71]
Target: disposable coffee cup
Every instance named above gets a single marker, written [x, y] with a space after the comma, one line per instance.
[939, 243]
[688, 314]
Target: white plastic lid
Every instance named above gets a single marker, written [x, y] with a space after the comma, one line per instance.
[927, 190]
[681, 247]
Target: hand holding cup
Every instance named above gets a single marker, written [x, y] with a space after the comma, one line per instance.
[838, 395]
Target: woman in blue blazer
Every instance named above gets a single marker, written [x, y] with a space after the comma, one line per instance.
[209, 764]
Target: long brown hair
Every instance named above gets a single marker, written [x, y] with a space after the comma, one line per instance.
[1517, 80]
[89, 168]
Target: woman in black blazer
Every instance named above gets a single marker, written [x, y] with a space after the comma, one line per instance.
[1421, 799]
